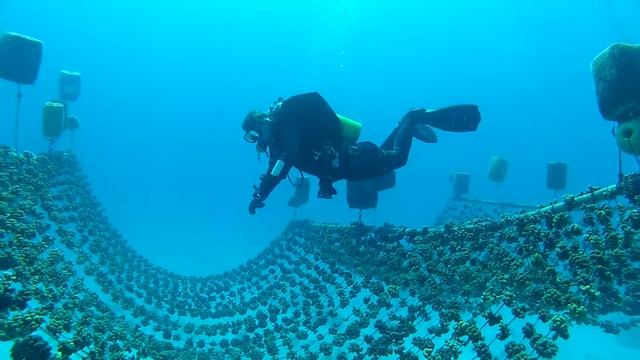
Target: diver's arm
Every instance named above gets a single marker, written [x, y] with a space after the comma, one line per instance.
[281, 162]
[277, 171]
[279, 165]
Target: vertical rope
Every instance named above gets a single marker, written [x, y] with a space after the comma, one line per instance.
[620, 176]
[17, 124]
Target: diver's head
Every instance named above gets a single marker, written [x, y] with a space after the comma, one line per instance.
[257, 129]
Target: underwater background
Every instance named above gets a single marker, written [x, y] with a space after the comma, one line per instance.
[167, 84]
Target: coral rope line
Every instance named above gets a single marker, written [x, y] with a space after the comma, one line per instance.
[572, 202]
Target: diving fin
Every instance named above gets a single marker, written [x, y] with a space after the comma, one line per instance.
[459, 118]
[425, 133]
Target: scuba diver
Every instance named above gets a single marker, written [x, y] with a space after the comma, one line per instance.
[304, 132]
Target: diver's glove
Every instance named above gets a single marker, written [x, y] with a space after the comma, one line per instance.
[257, 202]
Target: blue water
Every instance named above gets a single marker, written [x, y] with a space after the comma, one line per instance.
[166, 85]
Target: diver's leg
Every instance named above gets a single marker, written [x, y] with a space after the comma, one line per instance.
[422, 132]
[413, 117]
[388, 142]
[396, 148]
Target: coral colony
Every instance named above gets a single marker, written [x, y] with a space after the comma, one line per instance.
[510, 287]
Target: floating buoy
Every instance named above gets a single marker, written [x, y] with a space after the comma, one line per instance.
[384, 182]
[69, 83]
[301, 195]
[497, 169]
[556, 176]
[460, 184]
[361, 195]
[53, 119]
[627, 135]
[616, 75]
[20, 58]
[71, 122]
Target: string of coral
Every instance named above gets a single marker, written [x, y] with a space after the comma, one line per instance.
[509, 288]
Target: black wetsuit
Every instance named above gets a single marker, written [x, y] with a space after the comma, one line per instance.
[307, 135]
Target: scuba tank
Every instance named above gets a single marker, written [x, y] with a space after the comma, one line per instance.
[350, 129]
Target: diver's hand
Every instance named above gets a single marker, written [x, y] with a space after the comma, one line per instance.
[256, 203]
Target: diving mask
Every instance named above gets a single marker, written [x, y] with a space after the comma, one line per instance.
[251, 136]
